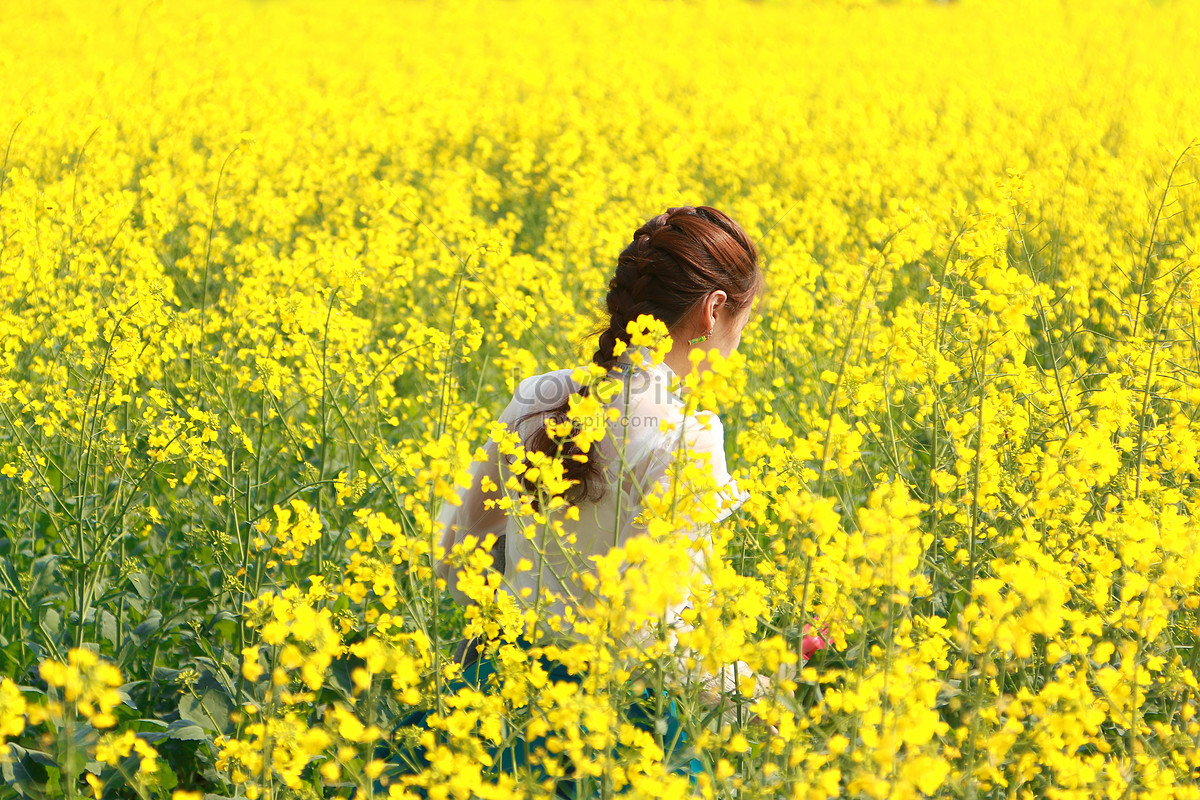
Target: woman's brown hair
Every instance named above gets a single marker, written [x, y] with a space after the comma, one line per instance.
[674, 262]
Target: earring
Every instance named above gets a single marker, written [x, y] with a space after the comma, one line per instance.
[700, 338]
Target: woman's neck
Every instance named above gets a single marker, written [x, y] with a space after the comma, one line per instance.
[677, 359]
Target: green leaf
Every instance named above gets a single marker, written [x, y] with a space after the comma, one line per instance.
[165, 777]
[187, 731]
[52, 621]
[207, 705]
[126, 697]
[225, 625]
[26, 775]
[108, 626]
[141, 584]
[148, 626]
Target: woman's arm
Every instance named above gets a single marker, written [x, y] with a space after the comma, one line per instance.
[695, 500]
[478, 511]
[475, 513]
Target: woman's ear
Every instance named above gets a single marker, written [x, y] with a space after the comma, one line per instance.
[712, 308]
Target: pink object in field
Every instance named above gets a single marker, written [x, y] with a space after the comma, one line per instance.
[813, 641]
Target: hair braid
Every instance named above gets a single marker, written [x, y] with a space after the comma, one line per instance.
[632, 289]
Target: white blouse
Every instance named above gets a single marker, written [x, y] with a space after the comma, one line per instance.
[652, 428]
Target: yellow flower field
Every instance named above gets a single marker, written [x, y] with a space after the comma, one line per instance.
[270, 270]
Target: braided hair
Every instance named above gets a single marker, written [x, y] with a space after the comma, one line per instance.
[676, 259]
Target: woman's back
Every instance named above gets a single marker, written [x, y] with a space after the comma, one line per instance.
[650, 431]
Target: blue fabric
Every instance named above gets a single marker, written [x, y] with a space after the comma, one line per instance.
[642, 714]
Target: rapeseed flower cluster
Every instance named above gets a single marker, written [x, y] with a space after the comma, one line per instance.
[85, 685]
[12, 713]
[270, 272]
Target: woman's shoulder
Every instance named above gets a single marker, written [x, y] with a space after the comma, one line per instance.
[652, 411]
[545, 388]
[538, 393]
